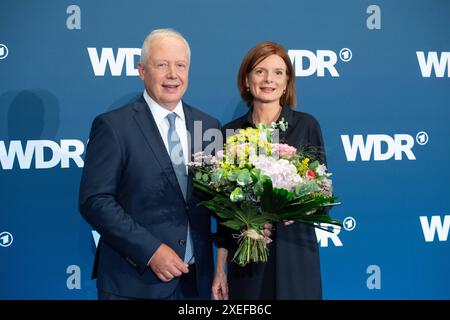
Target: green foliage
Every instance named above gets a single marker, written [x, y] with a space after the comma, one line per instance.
[274, 200]
[217, 176]
[237, 195]
[306, 188]
[244, 178]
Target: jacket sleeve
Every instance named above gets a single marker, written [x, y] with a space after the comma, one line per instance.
[316, 140]
[104, 163]
[223, 238]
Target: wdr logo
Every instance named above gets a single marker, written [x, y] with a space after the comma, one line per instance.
[306, 63]
[430, 228]
[323, 237]
[332, 235]
[124, 56]
[433, 62]
[384, 147]
[40, 150]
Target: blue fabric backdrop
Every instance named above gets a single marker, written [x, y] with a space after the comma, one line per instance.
[375, 75]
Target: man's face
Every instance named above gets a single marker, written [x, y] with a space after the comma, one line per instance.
[166, 71]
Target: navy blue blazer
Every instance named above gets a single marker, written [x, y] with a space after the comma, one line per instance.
[129, 193]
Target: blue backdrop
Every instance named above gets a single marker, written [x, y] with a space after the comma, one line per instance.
[375, 74]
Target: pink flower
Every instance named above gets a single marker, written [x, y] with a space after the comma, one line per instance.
[283, 150]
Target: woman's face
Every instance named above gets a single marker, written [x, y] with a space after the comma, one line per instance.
[268, 79]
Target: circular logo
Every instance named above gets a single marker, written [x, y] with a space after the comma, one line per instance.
[422, 138]
[345, 54]
[6, 239]
[3, 51]
[349, 223]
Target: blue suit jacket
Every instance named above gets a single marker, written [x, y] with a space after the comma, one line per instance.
[129, 193]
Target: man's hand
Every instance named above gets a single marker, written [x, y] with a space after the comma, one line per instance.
[166, 264]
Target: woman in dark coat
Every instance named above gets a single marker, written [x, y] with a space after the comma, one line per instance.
[266, 81]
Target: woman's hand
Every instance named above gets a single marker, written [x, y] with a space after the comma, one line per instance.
[267, 231]
[220, 286]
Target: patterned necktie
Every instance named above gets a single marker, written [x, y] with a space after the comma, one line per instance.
[177, 158]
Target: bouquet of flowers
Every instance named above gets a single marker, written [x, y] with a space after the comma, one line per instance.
[254, 180]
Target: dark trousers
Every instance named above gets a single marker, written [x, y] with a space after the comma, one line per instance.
[186, 289]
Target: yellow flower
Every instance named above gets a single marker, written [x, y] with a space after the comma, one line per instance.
[303, 166]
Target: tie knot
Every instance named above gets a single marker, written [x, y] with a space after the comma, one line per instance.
[171, 117]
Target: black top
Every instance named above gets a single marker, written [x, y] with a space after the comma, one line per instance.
[293, 269]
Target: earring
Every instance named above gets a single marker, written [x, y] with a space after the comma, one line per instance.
[248, 89]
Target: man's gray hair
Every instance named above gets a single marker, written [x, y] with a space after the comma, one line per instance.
[161, 33]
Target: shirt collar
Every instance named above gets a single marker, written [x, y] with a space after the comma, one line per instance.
[159, 112]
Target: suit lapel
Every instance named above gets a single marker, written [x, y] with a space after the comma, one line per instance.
[190, 129]
[149, 129]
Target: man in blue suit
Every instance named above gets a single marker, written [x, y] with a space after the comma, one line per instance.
[136, 191]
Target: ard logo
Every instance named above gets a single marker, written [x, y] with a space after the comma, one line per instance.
[6, 239]
[3, 51]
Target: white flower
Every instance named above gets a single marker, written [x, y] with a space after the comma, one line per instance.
[200, 159]
[282, 173]
[321, 169]
[326, 187]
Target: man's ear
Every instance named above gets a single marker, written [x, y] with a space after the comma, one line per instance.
[141, 70]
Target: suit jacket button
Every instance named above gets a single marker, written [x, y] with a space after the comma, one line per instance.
[187, 207]
[182, 242]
